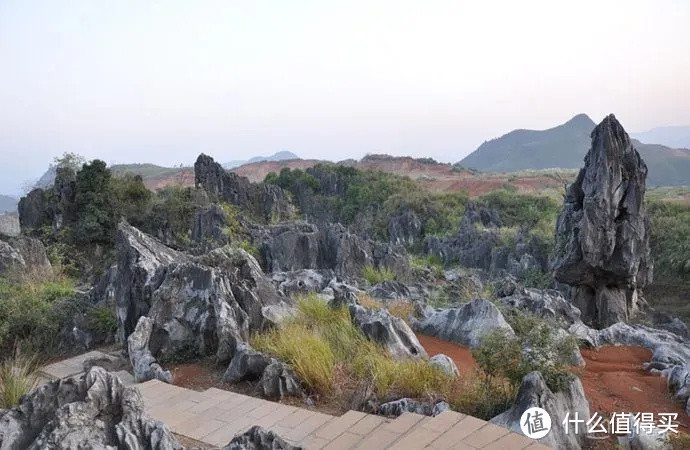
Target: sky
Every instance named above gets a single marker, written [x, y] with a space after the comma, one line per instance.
[162, 81]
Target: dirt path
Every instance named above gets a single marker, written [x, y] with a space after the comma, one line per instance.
[613, 379]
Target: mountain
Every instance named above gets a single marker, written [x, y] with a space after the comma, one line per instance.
[676, 137]
[8, 204]
[565, 147]
[279, 156]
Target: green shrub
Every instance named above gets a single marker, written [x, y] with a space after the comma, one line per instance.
[535, 278]
[18, 376]
[27, 314]
[535, 347]
[102, 320]
[95, 207]
[376, 275]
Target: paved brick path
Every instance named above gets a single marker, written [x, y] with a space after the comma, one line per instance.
[214, 416]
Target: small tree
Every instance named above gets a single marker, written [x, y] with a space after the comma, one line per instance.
[94, 205]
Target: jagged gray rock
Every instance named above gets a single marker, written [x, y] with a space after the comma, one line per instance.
[144, 365]
[9, 224]
[205, 304]
[95, 411]
[545, 303]
[268, 201]
[278, 380]
[277, 315]
[209, 227]
[257, 438]
[247, 364]
[465, 325]
[534, 392]
[398, 407]
[295, 246]
[389, 331]
[389, 290]
[405, 228]
[23, 255]
[302, 281]
[602, 233]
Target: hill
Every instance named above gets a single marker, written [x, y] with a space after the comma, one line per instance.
[8, 204]
[675, 137]
[565, 146]
[279, 156]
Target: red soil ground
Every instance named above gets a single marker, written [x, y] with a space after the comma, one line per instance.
[613, 379]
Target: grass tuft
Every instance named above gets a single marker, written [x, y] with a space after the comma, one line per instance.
[377, 275]
[18, 376]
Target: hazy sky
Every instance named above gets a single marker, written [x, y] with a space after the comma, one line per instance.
[144, 81]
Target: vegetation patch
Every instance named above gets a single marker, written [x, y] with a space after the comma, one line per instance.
[376, 275]
[18, 376]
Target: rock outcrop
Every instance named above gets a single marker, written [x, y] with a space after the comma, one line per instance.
[52, 206]
[95, 411]
[205, 304]
[209, 227]
[143, 363]
[398, 407]
[278, 380]
[296, 246]
[22, 255]
[465, 325]
[389, 331]
[602, 233]
[534, 392]
[247, 364]
[9, 224]
[405, 228]
[267, 201]
[257, 438]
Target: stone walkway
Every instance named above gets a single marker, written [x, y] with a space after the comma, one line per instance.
[214, 416]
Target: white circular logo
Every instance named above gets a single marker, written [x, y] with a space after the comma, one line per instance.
[535, 423]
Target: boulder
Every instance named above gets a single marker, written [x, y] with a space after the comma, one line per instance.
[602, 234]
[291, 247]
[545, 303]
[144, 365]
[445, 363]
[9, 224]
[204, 305]
[277, 315]
[388, 331]
[35, 210]
[23, 255]
[279, 380]
[398, 407]
[465, 325]
[257, 438]
[247, 364]
[534, 392]
[95, 411]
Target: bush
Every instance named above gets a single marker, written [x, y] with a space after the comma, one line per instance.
[18, 376]
[535, 347]
[94, 205]
[535, 278]
[102, 320]
[27, 314]
[377, 275]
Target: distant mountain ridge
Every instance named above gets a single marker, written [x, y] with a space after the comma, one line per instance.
[8, 203]
[674, 137]
[565, 146]
[278, 156]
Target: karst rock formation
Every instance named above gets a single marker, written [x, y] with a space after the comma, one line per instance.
[602, 234]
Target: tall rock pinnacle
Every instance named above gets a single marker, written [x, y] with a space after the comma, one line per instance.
[602, 233]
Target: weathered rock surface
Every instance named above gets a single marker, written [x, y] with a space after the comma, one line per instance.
[405, 228]
[204, 305]
[21, 255]
[209, 227]
[95, 411]
[534, 392]
[390, 290]
[465, 325]
[398, 407]
[257, 438]
[389, 331]
[52, 206]
[445, 363]
[546, 303]
[302, 281]
[602, 233]
[278, 380]
[267, 201]
[295, 246]
[9, 224]
[247, 364]
[143, 363]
